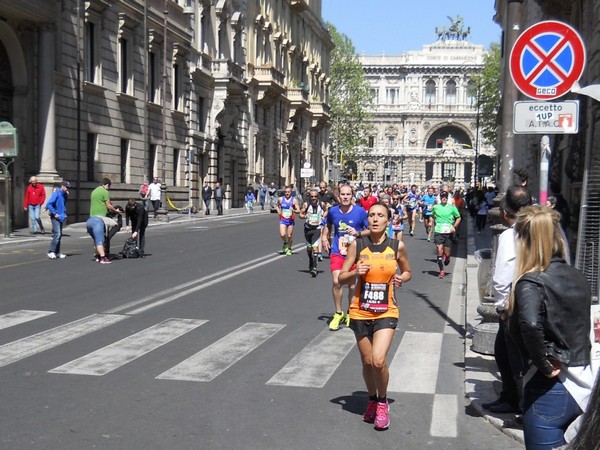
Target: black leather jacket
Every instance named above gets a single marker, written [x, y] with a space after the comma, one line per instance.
[551, 316]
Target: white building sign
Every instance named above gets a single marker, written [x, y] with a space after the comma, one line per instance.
[546, 117]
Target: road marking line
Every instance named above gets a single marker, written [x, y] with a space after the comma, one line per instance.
[415, 365]
[444, 416]
[317, 362]
[199, 284]
[213, 360]
[37, 343]
[21, 316]
[118, 354]
[456, 305]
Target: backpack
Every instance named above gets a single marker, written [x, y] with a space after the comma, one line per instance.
[130, 249]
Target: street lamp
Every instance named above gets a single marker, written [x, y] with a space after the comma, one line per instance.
[163, 213]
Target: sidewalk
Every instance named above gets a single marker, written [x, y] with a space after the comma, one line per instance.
[22, 235]
[482, 380]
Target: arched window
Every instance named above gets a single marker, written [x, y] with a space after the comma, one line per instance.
[471, 94]
[430, 92]
[451, 92]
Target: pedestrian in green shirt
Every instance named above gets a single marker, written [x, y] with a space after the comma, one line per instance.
[446, 218]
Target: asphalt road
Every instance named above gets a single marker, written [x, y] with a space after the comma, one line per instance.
[215, 341]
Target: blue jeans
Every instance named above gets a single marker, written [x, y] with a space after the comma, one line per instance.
[34, 216]
[95, 228]
[549, 410]
[56, 235]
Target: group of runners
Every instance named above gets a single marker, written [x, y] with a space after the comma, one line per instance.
[363, 235]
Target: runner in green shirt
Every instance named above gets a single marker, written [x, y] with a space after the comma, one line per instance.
[446, 218]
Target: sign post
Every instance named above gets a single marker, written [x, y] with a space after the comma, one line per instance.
[9, 148]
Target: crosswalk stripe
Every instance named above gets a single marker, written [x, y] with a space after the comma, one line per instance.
[210, 362]
[444, 416]
[115, 355]
[37, 343]
[414, 367]
[23, 315]
[317, 362]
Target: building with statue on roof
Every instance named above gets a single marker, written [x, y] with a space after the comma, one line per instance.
[425, 122]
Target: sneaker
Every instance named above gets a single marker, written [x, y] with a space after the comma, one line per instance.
[347, 320]
[313, 272]
[288, 252]
[61, 255]
[105, 260]
[284, 250]
[51, 255]
[334, 324]
[320, 257]
[446, 260]
[428, 239]
[412, 233]
[382, 416]
[442, 273]
[369, 415]
[97, 258]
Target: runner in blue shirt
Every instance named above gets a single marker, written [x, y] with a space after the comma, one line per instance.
[411, 201]
[427, 202]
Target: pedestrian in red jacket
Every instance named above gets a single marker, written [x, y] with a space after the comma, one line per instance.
[35, 195]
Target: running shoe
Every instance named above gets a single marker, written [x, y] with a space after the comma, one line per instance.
[61, 255]
[313, 272]
[51, 255]
[428, 239]
[320, 256]
[97, 258]
[370, 413]
[337, 318]
[412, 233]
[105, 260]
[442, 273]
[382, 416]
[288, 252]
[347, 320]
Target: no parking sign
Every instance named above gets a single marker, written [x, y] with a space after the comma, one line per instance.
[547, 59]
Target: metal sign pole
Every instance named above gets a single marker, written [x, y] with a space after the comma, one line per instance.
[6, 173]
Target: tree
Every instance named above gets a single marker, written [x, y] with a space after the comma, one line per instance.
[350, 98]
[488, 94]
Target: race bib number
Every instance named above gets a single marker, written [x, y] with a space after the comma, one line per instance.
[344, 242]
[429, 207]
[412, 204]
[314, 219]
[286, 213]
[445, 228]
[374, 297]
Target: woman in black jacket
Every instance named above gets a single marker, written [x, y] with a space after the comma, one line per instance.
[549, 311]
[139, 221]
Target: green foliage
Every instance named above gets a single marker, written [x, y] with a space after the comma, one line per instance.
[350, 97]
[488, 85]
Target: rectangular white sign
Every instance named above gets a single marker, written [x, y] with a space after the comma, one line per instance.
[307, 173]
[546, 117]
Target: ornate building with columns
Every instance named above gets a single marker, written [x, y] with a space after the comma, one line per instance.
[234, 91]
[425, 122]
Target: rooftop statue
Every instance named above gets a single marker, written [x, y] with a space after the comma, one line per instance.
[455, 32]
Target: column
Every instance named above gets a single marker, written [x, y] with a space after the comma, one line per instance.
[46, 100]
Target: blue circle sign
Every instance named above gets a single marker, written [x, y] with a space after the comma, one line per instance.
[547, 59]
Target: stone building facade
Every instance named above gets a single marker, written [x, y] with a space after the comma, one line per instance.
[190, 91]
[575, 159]
[425, 126]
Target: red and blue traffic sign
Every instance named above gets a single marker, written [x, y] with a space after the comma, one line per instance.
[547, 59]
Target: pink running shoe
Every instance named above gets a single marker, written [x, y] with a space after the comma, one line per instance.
[382, 416]
[369, 415]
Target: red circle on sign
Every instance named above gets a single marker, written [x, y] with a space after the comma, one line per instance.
[567, 37]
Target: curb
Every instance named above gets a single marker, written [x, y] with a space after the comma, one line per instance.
[22, 236]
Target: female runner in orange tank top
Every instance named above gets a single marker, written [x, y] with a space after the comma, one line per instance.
[381, 265]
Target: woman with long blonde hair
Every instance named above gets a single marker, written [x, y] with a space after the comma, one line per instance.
[549, 309]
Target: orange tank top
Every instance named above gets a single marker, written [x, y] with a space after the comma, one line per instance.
[374, 297]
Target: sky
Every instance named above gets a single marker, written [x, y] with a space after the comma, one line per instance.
[396, 26]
